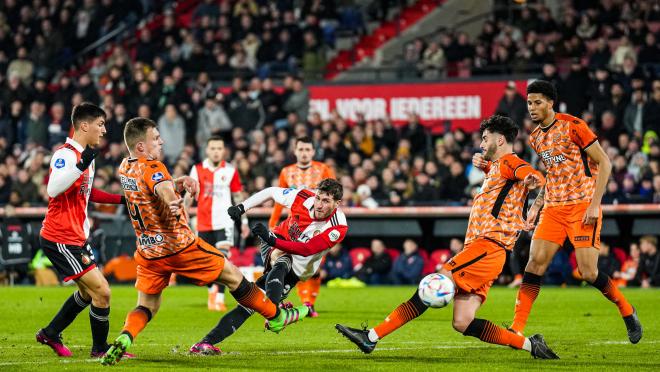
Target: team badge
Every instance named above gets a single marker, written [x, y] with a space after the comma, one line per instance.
[157, 176]
[60, 163]
[334, 235]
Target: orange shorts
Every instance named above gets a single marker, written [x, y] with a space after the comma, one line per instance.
[557, 223]
[201, 262]
[476, 267]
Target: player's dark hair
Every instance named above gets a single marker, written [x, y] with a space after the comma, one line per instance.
[86, 111]
[543, 87]
[331, 187]
[215, 138]
[500, 124]
[305, 139]
[136, 131]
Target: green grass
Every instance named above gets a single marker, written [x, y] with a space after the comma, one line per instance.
[578, 323]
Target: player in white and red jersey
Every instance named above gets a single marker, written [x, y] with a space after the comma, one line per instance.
[292, 252]
[65, 230]
[219, 184]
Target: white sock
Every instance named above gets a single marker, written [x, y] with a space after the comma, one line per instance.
[213, 288]
[220, 298]
[373, 337]
[527, 345]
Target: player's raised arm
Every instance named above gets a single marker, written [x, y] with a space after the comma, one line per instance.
[326, 240]
[279, 194]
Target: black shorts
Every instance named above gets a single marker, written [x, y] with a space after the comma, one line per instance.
[70, 261]
[215, 237]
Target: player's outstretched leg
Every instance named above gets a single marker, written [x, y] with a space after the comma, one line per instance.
[275, 278]
[226, 327]
[249, 295]
[366, 339]
[308, 291]
[539, 349]
[50, 335]
[135, 322]
[527, 293]
[609, 289]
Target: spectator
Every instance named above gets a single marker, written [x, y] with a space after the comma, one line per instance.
[634, 114]
[407, 268]
[651, 111]
[212, 120]
[376, 268]
[433, 62]
[298, 101]
[26, 189]
[21, 67]
[607, 261]
[337, 264]
[172, 131]
[512, 104]
[648, 271]
[628, 272]
[35, 126]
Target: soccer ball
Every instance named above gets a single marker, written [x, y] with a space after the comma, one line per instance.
[436, 290]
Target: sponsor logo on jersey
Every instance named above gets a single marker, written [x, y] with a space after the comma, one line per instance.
[334, 235]
[286, 191]
[550, 159]
[128, 184]
[157, 176]
[60, 163]
[151, 240]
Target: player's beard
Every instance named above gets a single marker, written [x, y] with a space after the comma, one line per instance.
[490, 152]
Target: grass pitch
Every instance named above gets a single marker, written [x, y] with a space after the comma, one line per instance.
[578, 323]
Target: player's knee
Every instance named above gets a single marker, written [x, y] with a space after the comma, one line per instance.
[589, 274]
[231, 276]
[537, 264]
[461, 323]
[101, 296]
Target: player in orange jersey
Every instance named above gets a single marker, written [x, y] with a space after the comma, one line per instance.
[165, 243]
[305, 173]
[577, 173]
[494, 226]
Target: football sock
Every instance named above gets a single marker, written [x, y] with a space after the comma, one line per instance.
[604, 284]
[275, 278]
[220, 296]
[309, 289]
[100, 324]
[249, 295]
[68, 312]
[404, 313]
[527, 293]
[136, 320]
[486, 331]
[228, 324]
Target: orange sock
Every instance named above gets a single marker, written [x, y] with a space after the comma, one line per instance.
[486, 331]
[605, 284]
[529, 290]
[404, 313]
[136, 320]
[309, 289]
[249, 295]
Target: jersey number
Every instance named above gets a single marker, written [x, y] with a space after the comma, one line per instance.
[134, 211]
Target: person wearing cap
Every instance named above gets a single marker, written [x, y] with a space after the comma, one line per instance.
[512, 104]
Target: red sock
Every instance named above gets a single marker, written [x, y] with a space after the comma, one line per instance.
[527, 293]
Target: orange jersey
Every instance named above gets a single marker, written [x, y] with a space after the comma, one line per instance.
[571, 174]
[159, 233]
[292, 176]
[496, 214]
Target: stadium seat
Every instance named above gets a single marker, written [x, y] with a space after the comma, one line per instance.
[394, 253]
[440, 256]
[359, 255]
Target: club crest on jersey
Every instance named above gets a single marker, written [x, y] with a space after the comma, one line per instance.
[60, 163]
[157, 176]
[334, 235]
[550, 159]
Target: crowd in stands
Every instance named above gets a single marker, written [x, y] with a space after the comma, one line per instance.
[611, 82]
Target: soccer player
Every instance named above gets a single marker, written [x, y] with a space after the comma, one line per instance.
[494, 225]
[165, 243]
[65, 230]
[577, 173]
[305, 173]
[219, 183]
[293, 251]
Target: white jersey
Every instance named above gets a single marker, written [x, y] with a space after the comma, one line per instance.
[215, 188]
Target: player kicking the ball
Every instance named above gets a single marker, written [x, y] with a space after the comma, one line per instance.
[165, 243]
[494, 225]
